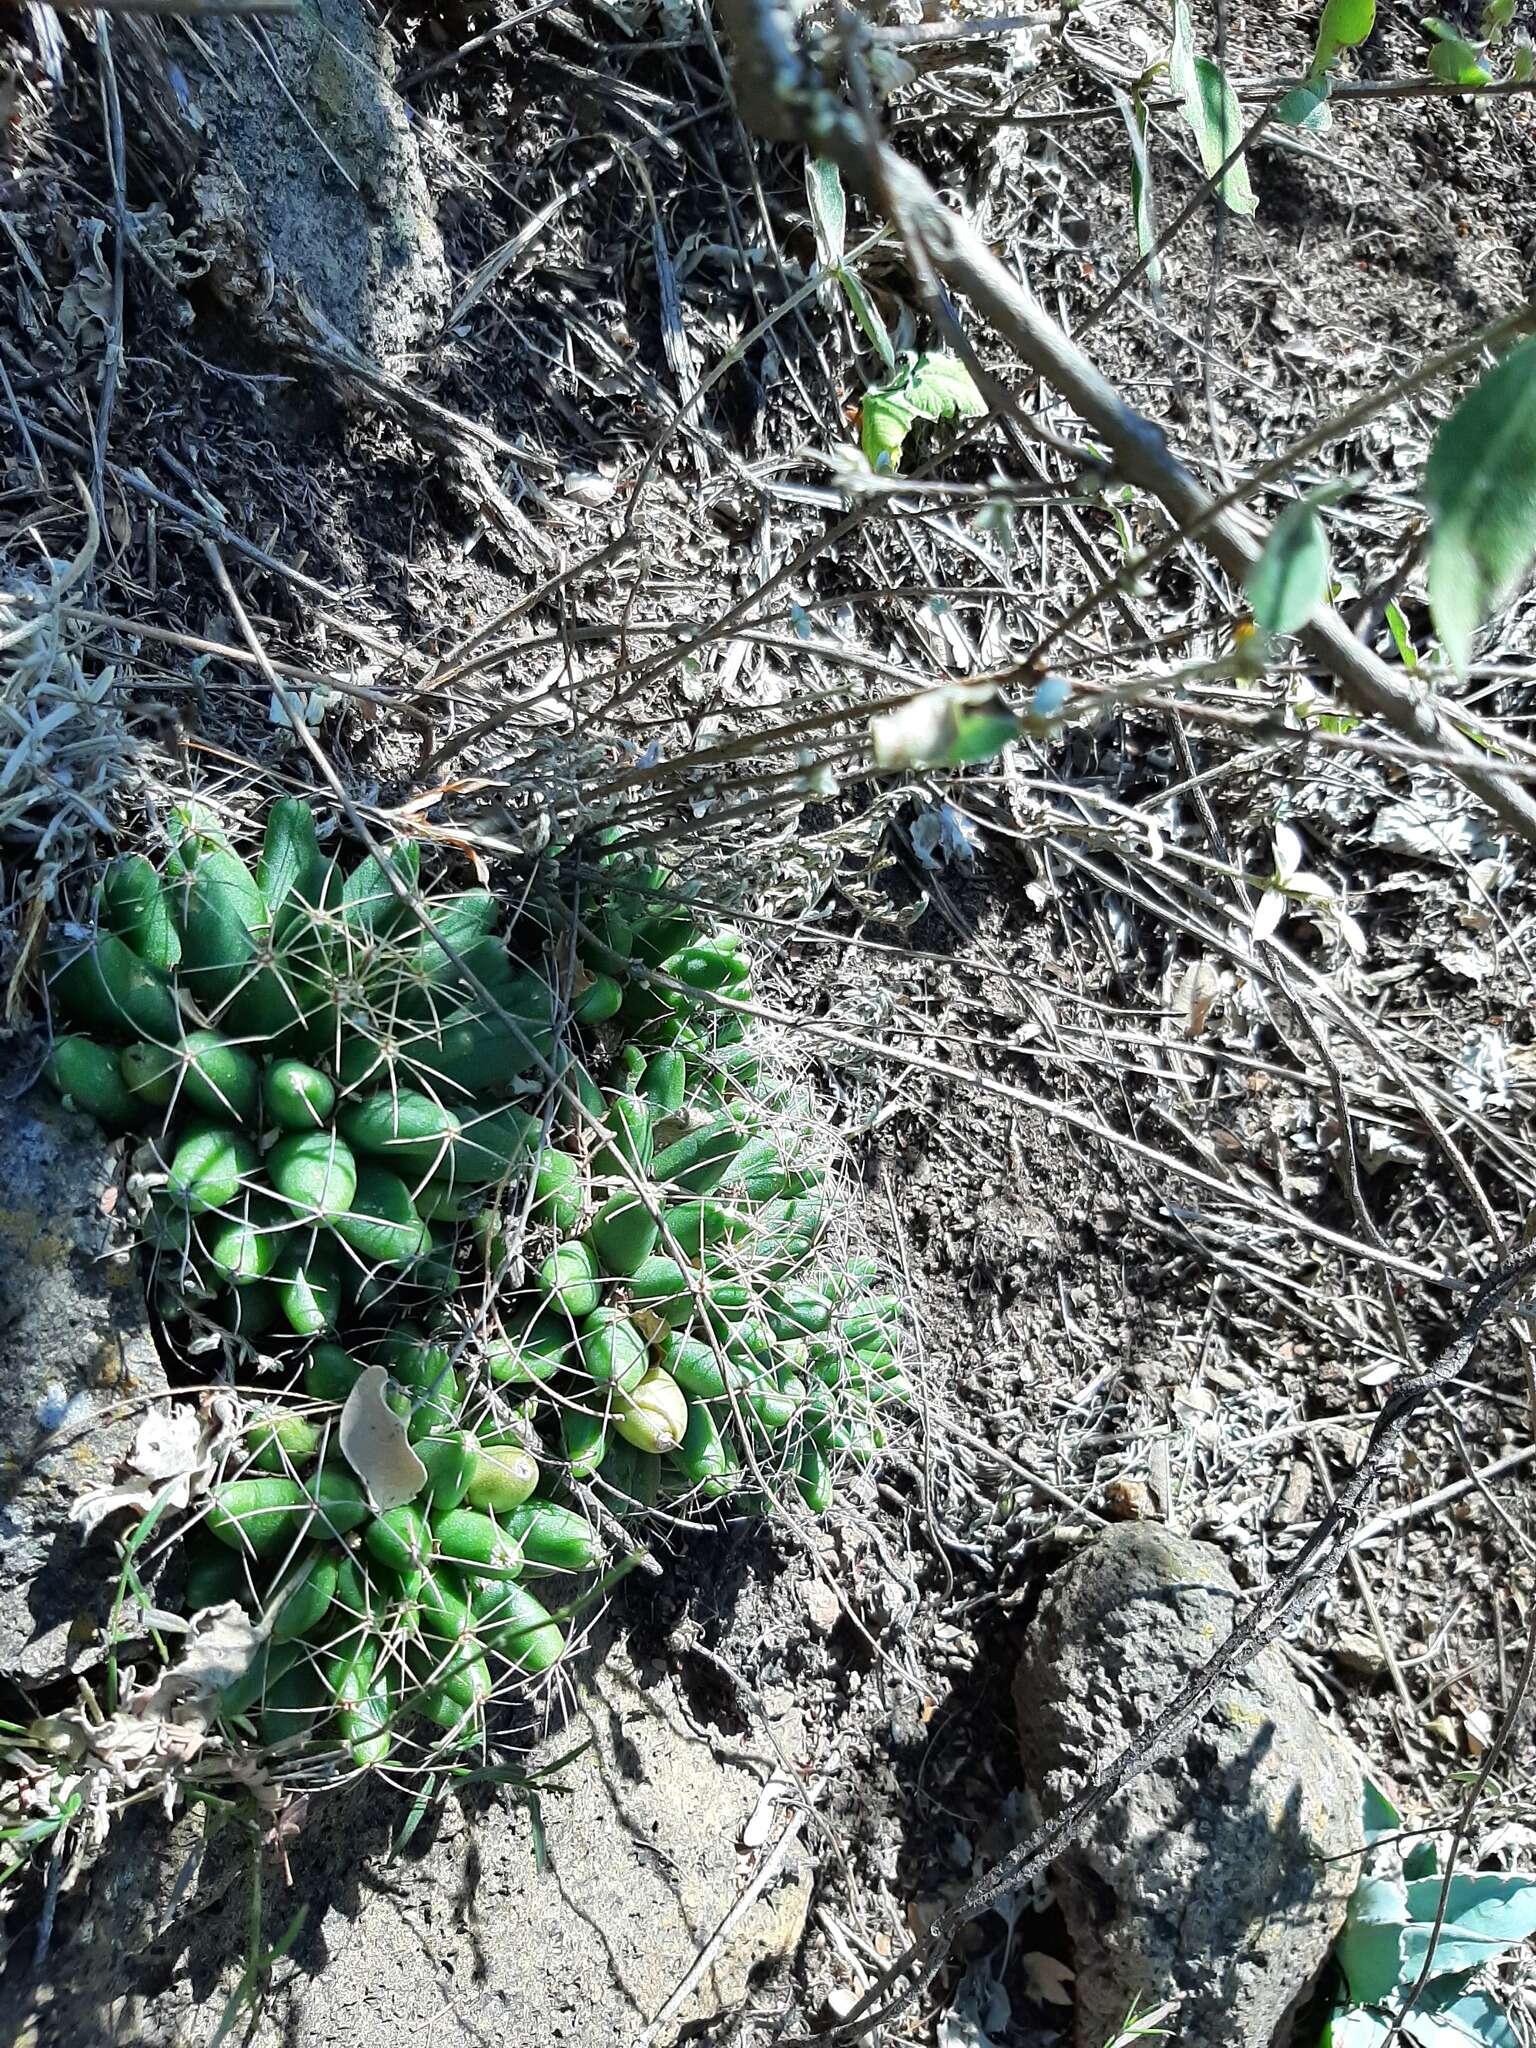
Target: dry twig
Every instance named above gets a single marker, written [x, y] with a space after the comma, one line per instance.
[784, 101]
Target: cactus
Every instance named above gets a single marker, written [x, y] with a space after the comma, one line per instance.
[340, 1136]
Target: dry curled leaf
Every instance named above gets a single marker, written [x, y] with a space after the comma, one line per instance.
[221, 1643]
[375, 1444]
[1198, 990]
[652, 1327]
[175, 1451]
[161, 1731]
[1048, 1978]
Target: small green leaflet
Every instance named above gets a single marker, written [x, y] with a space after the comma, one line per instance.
[867, 313]
[951, 727]
[1378, 1816]
[1402, 640]
[1344, 26]
[1211, 109]
[1453, 60]
[933, 386]
[829, 209]
[941, 385]
[829, 219]
[1220, 133]
[1134, 114]
[1480, 491]
[1306, 106]
[1290, 579]
[884, 418]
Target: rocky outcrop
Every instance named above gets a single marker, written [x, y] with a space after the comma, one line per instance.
[463, 1936]
[77, 1368]
[309, 189]
[1219, 1876]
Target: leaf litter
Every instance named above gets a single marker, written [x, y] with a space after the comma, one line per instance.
[1086, 1320]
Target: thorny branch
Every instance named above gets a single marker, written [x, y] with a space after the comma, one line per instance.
[782, 98]
[1320, 1556]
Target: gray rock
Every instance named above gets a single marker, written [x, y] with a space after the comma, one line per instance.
[461, 1938]
[76, 1358]
[1221, 1875]
[311, 187]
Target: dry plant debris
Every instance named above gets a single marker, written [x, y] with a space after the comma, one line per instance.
[1186, 1047]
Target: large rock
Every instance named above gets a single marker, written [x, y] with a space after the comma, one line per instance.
[461, 1938]
[76, 1361]
[1220, 1875]
[310, 190]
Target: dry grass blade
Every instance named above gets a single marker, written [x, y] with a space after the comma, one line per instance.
[68, 757]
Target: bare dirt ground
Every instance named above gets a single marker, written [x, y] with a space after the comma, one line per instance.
[1025, 1049]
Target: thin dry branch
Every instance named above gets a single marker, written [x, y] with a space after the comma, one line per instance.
[782, 99]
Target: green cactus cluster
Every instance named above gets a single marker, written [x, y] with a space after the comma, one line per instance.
[530, 1193]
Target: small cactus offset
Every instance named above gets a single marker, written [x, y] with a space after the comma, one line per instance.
[522, 1204]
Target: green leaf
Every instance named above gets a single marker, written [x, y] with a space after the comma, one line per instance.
[1369, 1949]
[1378, 1816]
[536, 1833]
[1220, 134]
[940, 386]
[420, 1806]
[1465, 2019]
[1402, 640]
[867, 313]
[1210, 107]
[1456, 63]
[934, 386]
[1134, 114]
[1306, 106]
[1522, 64]
[1485, 1915]
[1358, 2027]
[950, 727]
[1181, 52]
[1459, 64]
[1347, 23]
[1344, 26]
[1290, 579]
[1480, 491]
[829, 209]
[884, 418]
[1497, 16]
